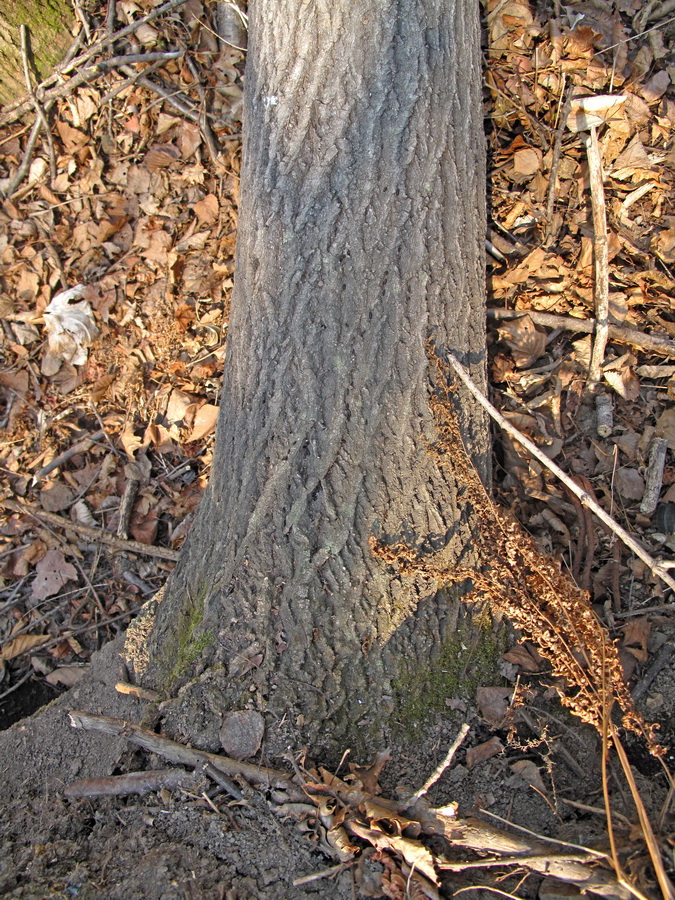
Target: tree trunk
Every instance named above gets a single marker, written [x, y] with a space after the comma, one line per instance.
[49, 23]
[361, 236]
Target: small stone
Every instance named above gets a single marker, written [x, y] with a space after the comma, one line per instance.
[241, 733]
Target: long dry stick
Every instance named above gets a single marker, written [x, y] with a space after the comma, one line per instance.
[92, 534]
[179, 753]
[665, 883]
[601, 256]
[584, 497]
[652, 342]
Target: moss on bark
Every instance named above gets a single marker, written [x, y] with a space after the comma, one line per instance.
[50, 25]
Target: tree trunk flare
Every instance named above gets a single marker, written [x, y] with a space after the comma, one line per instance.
[361, 236]
[50, 23]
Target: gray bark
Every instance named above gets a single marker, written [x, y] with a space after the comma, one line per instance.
[361, 235]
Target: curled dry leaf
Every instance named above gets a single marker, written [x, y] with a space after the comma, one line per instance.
[522, 656]
[66, 676]
[636, 636]
[528, 771]
[594, 111]
[70, 330]
[204, 423]
[369, 776]
[56, 496]
[629, 483]
[665, 427]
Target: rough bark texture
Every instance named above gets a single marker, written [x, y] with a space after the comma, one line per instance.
[49, 23]
[360, 236]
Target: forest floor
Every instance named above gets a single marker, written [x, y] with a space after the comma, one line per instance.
[109, 403]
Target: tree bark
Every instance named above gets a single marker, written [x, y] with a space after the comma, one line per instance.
[49, 23]
[361, 236]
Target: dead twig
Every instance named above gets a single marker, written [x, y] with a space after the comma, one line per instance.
[601, 256]
[126, 507]
[661, 661]
[555, 161]
[438, 771]
[658, 568]
[92, 534]
[132, 783]
[20, 107]
[39, 111]
[59, 460]
[654, 478]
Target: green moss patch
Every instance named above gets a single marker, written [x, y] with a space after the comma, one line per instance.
[467, 660]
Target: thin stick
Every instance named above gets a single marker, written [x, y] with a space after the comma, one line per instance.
[584, 497]
[601, 255]
[133, 783]
[438, 771]
[651, 342]
[93, 534]
[654, 479]
[654, 853]
[555, 162]
[23, 31]
[22, 171]
[59, 460]
[317, 876]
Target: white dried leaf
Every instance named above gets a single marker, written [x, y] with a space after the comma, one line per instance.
[70, 330]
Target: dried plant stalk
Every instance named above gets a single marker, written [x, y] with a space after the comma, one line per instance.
[527, 586]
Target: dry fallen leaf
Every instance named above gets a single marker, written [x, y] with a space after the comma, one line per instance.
[522, 656]
[204, 423]
[52, 572]
[70, 330]
[493, 703]
[529, 772]
[636, 636]
[524, 340]
[66, 675]
[629, 483]
[56, 496]
[483, 752]
[20, 644]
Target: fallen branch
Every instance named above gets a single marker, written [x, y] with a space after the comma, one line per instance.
[655, 343]
[39, 111]
[92, 534]
[132, 783]
[442, 766]
[179, 753]
[658, 568]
